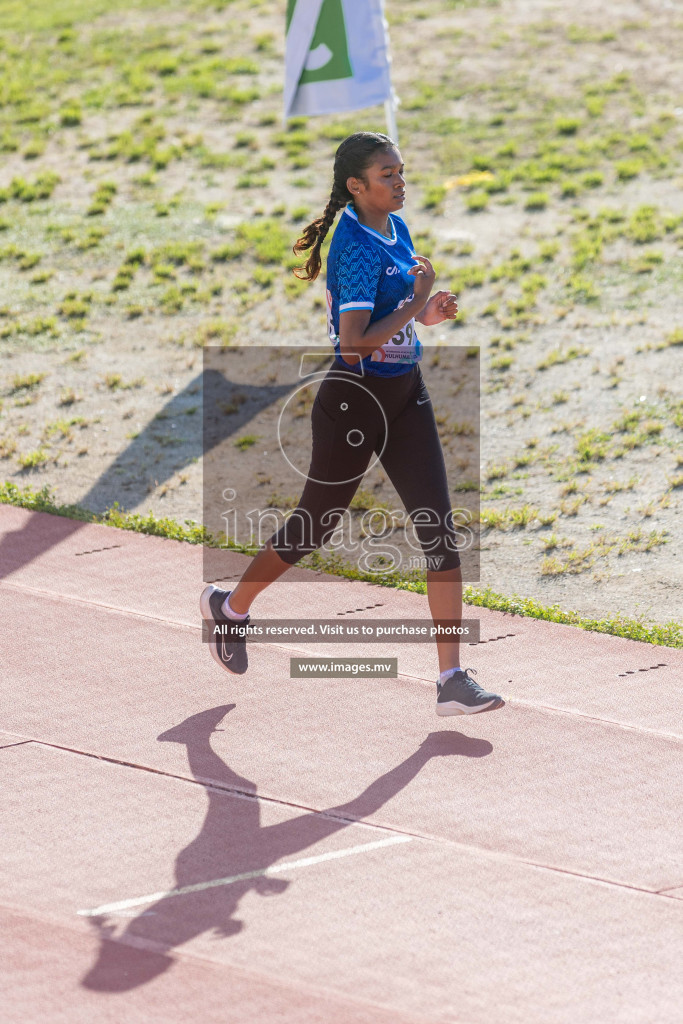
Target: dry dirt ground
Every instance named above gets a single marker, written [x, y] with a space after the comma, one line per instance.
[572, 298]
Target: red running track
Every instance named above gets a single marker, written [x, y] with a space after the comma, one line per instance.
[178, 842]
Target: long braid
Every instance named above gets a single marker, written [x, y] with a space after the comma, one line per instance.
[351, 159]
[314, 236]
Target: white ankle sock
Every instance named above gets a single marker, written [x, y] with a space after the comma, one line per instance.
[230, 614]
[443, 676]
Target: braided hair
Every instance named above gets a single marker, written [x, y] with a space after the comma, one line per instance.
[352, 158]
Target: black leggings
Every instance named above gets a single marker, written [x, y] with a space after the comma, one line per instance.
[355, 417]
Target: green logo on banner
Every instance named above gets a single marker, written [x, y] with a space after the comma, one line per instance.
[328, 57]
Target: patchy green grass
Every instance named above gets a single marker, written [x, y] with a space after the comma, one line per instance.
[115, 382]
[537, 201]
[246, 441]
[34, 459]
[26, 382]
[558, 356]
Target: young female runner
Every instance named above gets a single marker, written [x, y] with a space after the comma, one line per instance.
[372, 401]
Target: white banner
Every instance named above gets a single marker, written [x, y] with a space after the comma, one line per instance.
[337, 56]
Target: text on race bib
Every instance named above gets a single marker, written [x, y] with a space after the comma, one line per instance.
[404, 347]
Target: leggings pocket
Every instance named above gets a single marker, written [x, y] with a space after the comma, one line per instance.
[344, 429]
[325, 431]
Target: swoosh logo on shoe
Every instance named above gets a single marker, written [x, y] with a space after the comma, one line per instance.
[223, 657]
[421, 401]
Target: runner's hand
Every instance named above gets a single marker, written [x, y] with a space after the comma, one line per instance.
[424, 278]
[441, 306]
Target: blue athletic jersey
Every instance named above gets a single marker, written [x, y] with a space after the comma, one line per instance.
[365, 270]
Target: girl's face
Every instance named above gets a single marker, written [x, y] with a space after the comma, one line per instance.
[382, 189]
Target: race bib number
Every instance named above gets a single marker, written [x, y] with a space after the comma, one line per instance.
[404, 347]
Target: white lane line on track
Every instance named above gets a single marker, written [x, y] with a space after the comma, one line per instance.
[305, 862]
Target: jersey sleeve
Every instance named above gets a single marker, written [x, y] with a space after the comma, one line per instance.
[359, 270]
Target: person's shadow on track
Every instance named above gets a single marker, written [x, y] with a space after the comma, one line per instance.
[233, 842]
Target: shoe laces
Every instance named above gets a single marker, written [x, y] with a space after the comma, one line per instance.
[464, 673]
[467, 678]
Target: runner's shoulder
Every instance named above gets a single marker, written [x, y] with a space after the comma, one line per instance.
[402, 232]
[349, 231]
[352, 247]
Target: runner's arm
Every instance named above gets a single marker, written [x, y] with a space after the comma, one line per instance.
[359, 338]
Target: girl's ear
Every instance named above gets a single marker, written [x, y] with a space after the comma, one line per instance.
[353, 185]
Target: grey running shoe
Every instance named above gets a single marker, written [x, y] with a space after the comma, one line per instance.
[459, 694]
[228, 643]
